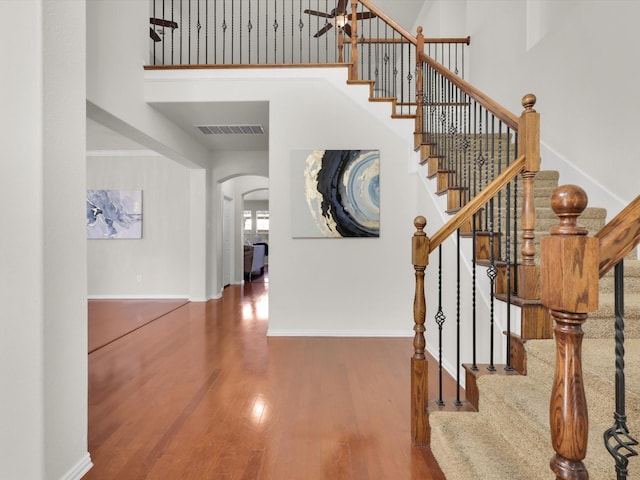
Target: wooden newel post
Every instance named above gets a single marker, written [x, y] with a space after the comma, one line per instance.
[529, 146]
[570, 290]
[420, 431]
[354, 40]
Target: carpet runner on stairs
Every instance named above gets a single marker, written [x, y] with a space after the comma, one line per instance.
[509, 437]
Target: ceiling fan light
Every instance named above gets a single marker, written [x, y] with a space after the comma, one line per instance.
[341, 20]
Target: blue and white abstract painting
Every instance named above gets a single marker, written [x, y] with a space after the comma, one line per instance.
[335, 193]
[114, 214]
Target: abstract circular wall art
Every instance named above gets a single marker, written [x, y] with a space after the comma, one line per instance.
[336, 193]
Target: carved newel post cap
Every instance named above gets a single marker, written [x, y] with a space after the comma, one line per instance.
[420, 244]
[529, 101]
[419, 30]
[568, 202]
[420, 222]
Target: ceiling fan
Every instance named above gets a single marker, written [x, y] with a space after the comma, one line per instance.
[161, 22]
[339, 17]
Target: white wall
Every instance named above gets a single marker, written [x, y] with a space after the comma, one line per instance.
[577, 57]
[158, 265]
[328, 286]
[43, 344]
[117, 50]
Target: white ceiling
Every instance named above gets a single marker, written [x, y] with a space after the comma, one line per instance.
[186, 115]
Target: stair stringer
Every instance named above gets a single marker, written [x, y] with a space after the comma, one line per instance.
[432, 207]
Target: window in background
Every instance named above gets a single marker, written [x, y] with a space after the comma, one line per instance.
[262, 226]
[248, 225]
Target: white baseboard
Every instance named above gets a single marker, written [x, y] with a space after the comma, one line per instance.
[138, 297]
[79, 469]
[337, 333]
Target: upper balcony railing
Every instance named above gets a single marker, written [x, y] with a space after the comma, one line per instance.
[250, 33]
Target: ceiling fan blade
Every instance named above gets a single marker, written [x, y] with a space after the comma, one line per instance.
[154, 36]
[347, 29]
[323, 30]
[363, 15]
[341, 8]
[163, 23]
[318, 14]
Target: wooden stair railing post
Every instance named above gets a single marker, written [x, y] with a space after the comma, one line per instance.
[353, 71]
[420, 431]
[529, 146]
[569, 280]
[419, 87]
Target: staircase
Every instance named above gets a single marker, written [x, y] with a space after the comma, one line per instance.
[509, 436]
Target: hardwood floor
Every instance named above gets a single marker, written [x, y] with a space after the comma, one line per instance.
[110, 320]
[202, 393]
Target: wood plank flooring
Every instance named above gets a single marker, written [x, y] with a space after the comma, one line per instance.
[110, 320]
[202, 393]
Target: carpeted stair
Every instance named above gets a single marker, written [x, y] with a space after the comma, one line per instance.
[509, 437]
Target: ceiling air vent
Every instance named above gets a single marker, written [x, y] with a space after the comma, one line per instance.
[231, 129]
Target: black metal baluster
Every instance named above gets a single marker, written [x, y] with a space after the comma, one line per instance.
[266, 33]
[508, 230]
[462, 59]
[206, 32]
[163, 33]
[618, 439]
[215, 33]
[249, 28]
[458, 402]
[224, 30]
[515, 208]
[258, 32]
[326, 37]
[456, 70]
[172, 30]
[440, 318]
[153, 28]
[495, 160]
[474, 231]
[198, 27]
[275, 32]
[189, 35]
[300, 27]
[385, 65]
[284, 37]
[411, 63]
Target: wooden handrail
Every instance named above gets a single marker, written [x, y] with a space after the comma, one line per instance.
[619, 236]
[466, 212]
[386, 19]
[495, 108]
[465, 40]
[243, 66]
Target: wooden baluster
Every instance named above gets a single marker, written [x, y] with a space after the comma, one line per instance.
[420, 430]
[529, 146]
[570, 290]
[419, 134]
[353, 74]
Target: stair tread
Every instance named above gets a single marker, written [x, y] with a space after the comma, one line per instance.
[514, 413]
[460, 458]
